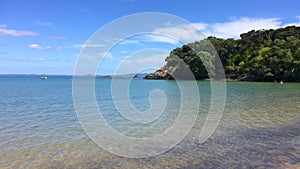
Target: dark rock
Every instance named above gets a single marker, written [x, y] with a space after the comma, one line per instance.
[159, 74]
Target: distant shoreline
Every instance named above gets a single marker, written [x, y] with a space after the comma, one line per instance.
[138, 77]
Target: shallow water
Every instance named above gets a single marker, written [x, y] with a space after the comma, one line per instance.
[260, 127]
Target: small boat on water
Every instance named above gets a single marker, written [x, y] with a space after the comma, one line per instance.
[44, 77]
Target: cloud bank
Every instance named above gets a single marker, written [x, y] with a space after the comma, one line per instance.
[40, 47]
[4, 31]
[231, 29]
[234, 28]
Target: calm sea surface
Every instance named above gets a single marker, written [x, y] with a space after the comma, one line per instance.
[260, 127]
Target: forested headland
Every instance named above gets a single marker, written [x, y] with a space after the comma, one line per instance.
[261, 55]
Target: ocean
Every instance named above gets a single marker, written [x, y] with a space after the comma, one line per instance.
[39, 127]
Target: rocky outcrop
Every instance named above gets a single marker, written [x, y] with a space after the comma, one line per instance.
[171, 72]
[107, 76]
[158, 75]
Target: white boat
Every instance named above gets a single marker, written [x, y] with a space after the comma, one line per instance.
[44, 77]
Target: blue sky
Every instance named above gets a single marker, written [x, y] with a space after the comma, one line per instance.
[46, 37]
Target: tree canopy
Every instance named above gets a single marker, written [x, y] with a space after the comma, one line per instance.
[262, 55]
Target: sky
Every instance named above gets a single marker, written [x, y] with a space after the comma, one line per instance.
[48, 37]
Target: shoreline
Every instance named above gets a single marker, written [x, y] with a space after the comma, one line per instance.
[228, 80]
[141, 77]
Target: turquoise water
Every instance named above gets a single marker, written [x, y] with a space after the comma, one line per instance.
[260, 127]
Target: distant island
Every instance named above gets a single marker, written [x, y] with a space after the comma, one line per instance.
[262, 55]
[119, 76]
[134, 75]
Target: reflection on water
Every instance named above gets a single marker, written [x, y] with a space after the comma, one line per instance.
[38, 126]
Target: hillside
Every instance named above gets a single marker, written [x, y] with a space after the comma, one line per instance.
[262, 55]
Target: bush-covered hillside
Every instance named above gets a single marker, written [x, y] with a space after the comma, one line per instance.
[263, 55]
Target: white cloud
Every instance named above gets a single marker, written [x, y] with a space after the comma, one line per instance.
[3, 25]
[234, 28]
[11, 32]
[197, 31]
[39, 47]
[79, 46]
[185, 33]
[161, 38]
[35, 46]
[107, 55]
[42, 59]
[176, 34]
[200, 26]
[231, 29]
[127, 41]
[173, 35]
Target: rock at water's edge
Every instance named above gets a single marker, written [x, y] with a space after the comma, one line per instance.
[159, 74]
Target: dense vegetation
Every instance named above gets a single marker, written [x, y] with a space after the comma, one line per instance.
[263, 55]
